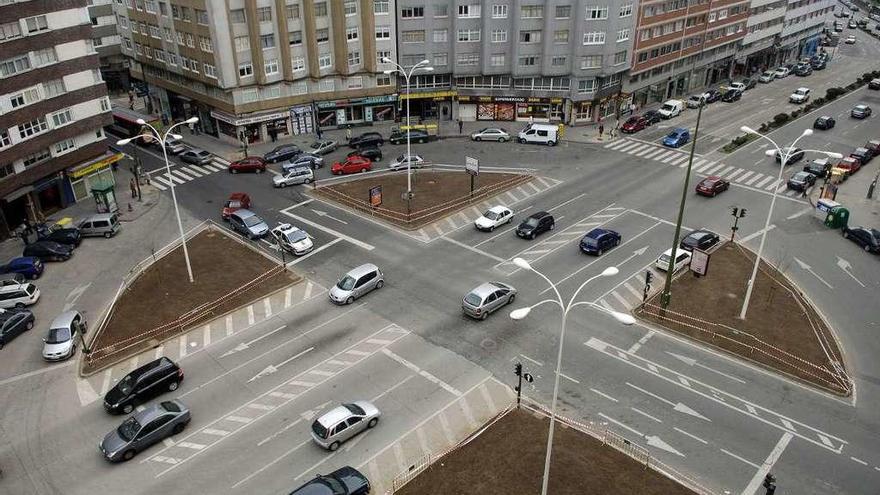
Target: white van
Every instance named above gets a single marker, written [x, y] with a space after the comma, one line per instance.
[18, 296]
[671, 109]
[539, 133]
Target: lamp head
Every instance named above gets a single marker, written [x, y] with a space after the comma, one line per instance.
[424, 62]
[747, 130]
[427, 69]
[192, 120]
[623, 318]
[123, 142]
[521, 263]
[807, 132]
[521, 313]
[177, 136]
[610, 271]
[770, 152]
[388, 72]
[834, 155]
[140, 121]
[386, 60]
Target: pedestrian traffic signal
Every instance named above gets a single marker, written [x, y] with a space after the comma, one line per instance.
[517, 369]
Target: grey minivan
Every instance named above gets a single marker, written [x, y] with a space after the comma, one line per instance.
[356, 283]
[102, 224]
[486, 298]
[248, 224]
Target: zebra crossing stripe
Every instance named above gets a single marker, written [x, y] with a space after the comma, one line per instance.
[649, 149]
[202, 170]
[157, 186]
[183, 175]
[771, 186]
[653, 154]
[192, 171]
[711, 170]
[782, 187]
[745, 176]
[726, 171]
[630, 145]
[661, 156]
[211, 166]
[636, 149]
[757, 176]
[671, 158]
[162, 180]
[626, 304]
[705, 166]
[616, 145]
[764, 181]
[700, 162]
[735, 173]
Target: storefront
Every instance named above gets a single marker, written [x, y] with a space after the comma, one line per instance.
[355, 111]
[428, 104]
[510, 108]
[94, 174]
[302, 120]
[256, 127]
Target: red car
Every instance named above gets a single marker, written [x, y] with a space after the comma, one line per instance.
[850, 164]
[352, 165]
[712, 185]
[249, 164]
[634, 124]
[235, 202]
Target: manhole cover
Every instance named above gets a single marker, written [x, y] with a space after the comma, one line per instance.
[489, 344]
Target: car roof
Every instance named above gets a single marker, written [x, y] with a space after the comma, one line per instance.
[498, 209]
[14, 288]
[803, 89]
[64, 319]
[597, 232]
[861, 105]
[333, 416]
[679, 130]
[286, 228]
[539, 214]
[483, 290]
[162, 362]
[243, 213]
[712, 178]
[238, 195]
[99, 216]
[154, 411]
[668, 252]
[359, 271]
[699, 233]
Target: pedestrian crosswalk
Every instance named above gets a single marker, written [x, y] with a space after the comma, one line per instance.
[626, 295]
[181, 174]
[703, 166]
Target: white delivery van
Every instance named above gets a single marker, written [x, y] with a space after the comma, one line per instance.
[671, 109]
[539, 133]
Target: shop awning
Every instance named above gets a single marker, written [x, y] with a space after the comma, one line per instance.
[93, 166]
[18, 193]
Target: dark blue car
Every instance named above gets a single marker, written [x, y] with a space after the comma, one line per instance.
[29, 266]
[597, 241]
[677, 138]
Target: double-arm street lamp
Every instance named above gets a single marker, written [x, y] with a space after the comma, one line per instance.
[784, 156]
[161, 138]
[521, 313]
[423, 65]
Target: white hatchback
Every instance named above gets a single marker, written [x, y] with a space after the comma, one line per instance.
[682, 259]
[401, 162]
[494, 217]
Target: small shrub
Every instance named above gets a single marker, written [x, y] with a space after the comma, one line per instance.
[781, 118]
[795, 114]
[819, 101]
[763, 128]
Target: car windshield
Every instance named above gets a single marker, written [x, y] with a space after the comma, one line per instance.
[128, 429]
[355, 409]
[253, 220]
[491, 215]
[170, 406]
[316, 145]
[126, 384]
[532, 222]
[473, 299]
[800, 176]
[233, 203]
[346, 283]
[589, 241]
[58, 335]
[296, 236]
[667, 107]
[632, 120]
[664, 258]
[334, 484]
[320, 431]
[203, 153]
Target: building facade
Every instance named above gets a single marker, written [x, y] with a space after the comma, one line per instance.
[550, 60]
[114, 66]
[53, 106]
[259, 69]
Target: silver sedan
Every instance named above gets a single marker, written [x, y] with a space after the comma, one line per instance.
[486, 298]
[491, 134]
[145, 428]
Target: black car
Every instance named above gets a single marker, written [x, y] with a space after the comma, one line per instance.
[701, 239]
[803, 70]
[69, 236]
[282, 153]
[372, 153]
[344, 481]
[598, 240]
[824, 123]
[800, 181]
[819, 168]
[794, 155]
[750, 83]
[13, 323]
[536, 224]
[143, 384]
[863, 154]
[48, 251]
[713, 95]
[367, 139]
[416, 135]
[875, 83]
[731, 96]
[818, 64]
[12, 279]
[652, 116]
[868, 239]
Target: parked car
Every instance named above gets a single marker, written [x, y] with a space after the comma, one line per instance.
[343, 422]
[352, 165]
[142, 384]
[731, 96]
[652, 116]
[250, 164]
[29, 266]
[60, 341]
[357, 283]
[850, 40]
[850, 164]
[701, 239]
[767, 76]
[803, 70]
[48, 251]
[713, 95]
[671, 108]
[677, 137]
[367, 139]
[248, 224]
[819, 167]
[19, 296]
[634, 124]
[323, 146]
[867, 238]
[373, 154]
[852, 24]
[874, 83]
[493, 218]
[860, 112]
[196, 156]
[314, 161]
[487, 298]
[824, 123]
[173, 145]
[800, 181]
[13, 324]
[292, 239]
[294, 176]
[282, 153]
[415, 135]
[537, 223]
[682, 259]
[873, 146]
[738, 86]
[99, 224]
[800, 95]
[781, 72]
[236, 201]
[818, 64]
[749, 83]
[12, 279]
[403, 161]
[794, 155]
[145, 428]
[695, 101]
[864, 155]
[491, 134]
[712, 186]
[56, 233]
[344, 481]
[598, 240]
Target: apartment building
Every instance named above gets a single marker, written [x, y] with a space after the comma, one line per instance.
[114, 67]
[516, 60]
[253, 69]
[53, 105]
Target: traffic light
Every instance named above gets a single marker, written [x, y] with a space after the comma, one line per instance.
[517, 369]
[742, 212]
[649, 277]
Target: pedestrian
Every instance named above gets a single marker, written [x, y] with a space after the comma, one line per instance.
[601, 129]
[273, 134]
[531, 119]
[460, 126]
[133, 187]
[318, 131]
[348, 133]
[804, 192]
[615, 129]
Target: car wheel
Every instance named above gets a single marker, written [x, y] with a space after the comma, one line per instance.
[380, 284]
[512, 298]
[178, 428]
[333, 446]
[337, 173]
[128, 454]
[1, 345]
[484, 315]
[599, 252]
[19, 305]
[108, 235]
[259, 171]
[423, 141]
[363, 170]
[492, 228]
[553, 227]
[867, 247]
[373, 422]
[233, 171]
[532, 237]
[478, 139]
[522, 141]
[127, 408]
[845, 234]
[714, 193]
[617, 242]
[173, 386]
[35, 276]
[307, 181]
[349, 300]
[29, 325]
[551, 143]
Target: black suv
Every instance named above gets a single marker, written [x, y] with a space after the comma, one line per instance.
[537, 223]
[367, 139]
[142, 384]
[868, 239]
[819, 168]
[371, 153]
[731, 96]
[416, 135]
[863, 154]
[282, 153]
[344, 481]
[824, 123]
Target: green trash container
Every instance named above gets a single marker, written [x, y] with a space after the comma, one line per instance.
[837, 218]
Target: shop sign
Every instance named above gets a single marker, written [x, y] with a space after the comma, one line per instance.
[90, 168]
[367, 100]
[429, 94]
[472, 165]
[699, 262]
[229, 119]
[376, 196]
[507, 99]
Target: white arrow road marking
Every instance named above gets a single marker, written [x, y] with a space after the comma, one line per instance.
[74, 295]
[655, 441]
[247, 345]
[321, 213]
[675, 406]
[809, 270]
[268, 370]
[846, 267]
[693, 362]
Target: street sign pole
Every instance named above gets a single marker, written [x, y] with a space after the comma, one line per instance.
[472, 166]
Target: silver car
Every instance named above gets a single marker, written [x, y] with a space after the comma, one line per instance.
[356, 283]
[60, 341]
[323, 146]
[343, 422]
[248, 224]
[307, 159]
[293, 176]
[196, 156]
[145, 428]
[486, 298]
[491, 134]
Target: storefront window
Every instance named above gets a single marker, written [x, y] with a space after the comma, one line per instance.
[383, 112]
[536, 111]
[354, 114]
[327, 118]
[583, 111]
[556, 111]
[227, 128]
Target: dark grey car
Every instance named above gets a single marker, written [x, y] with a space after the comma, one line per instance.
[145, 428]
[486, 298]
[248, 224]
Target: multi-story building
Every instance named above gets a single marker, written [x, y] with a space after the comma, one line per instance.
[253, 69]
[681, 45]
[114, 67]
[53, 105]
[544, 60]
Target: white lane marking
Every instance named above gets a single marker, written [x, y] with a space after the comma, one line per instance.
[162, 180]
[191, 445]
[182, 346]
[635, 347]
[757, 177]
[468, 415]
[643, 413]
[451, 223]
[569, 378]
[856, 459]
[744, 460]
[206, 335]
[512, 197]
[355, 352]
[735, 174]
[798, 214]
[724, 172]
[711, 170]
[288, 295]
[379, 341]
[772, 185]
[751, 236]
[392, 388]
[626, 304]
[328, 230]
[192, 171]
[826, 441]
[632, 290]
[214, 431]
[535, 361]
[704, 167]
[282, 395]
[267, 307]
[261, 407]
[618, 423]
[200, 169]
[182, 175]
[105, 384]
[690, 435]
[746, 175]
[476, 250]
[768, 464]
[763, 181]
[167, 460]
[423, 442]
[603, 394]
[229, 325]
[159, 351]
[300, 383]
[487, 397]
[316, 251]
[428, 376]
[751, 409]
[447, 431]
[787, 424]
[238, 419]
[322, 373]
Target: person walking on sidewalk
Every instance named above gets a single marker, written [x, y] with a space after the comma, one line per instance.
[348, 133]
[273, 134]
[460, 126]
[133, 188]
[318, 132]
[601, 129]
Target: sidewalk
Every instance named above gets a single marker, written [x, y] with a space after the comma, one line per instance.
[852, 194]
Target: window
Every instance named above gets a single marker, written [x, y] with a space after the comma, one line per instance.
[242, 43]
[322, 35]
[267, 41]
[383, 80]
[210, 71]
[26, 97]
[468, 35]
[271, 92]
[8, 169]
[468, 11]
[250, 95]
[154, 31]
[320, 9]
[15, 65]
[127, 43]
[722, 14]
[326, 85]
[123, 22]
[264, 14]
[532, 11]
[10, 30]
[530, 36]
[175, 12]
[560, 36]
[33, 127]
[202, 17]
[292, 11]
[558, 61]
[150, 6]
[413, 36]
[620, 58]
[172, 58]
[235, 16]
[181, 39]
[270, 66]
[38, 157]
[591, 62]
[163, 8]
[499, 36]
[185, 14]
[382, 54]
[245, 69]
[65, 146]
[496, 60]
[351, 34]
[441, 59]
[623, 35]
[467, 59]
[596, 38]
[36, 24]
[611, 81]
[45, 57]
[169, 36]
[587, 86]
[324, 61]
[350, 7]
[441, 10]
[205, 44]
[499, 11]
[528, 61]
[380, 7]
[298, 64]
[356, 82]
[412, 12]
[563, 11]
[383, 32]
[596, 12]
[159, 55]
[354, 58]
[54, 88]
[295, 38]
[626, 10]
[711, 16]
[440, 35]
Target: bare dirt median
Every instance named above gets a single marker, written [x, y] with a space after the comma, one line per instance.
[162, 294]
[782, 330]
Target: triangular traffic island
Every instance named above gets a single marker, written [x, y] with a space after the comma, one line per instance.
[782, 331]
[156, 301]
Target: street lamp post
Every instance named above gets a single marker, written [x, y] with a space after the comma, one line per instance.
[784, 156]
[406, 75]
[154, 134]
[521, 313]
